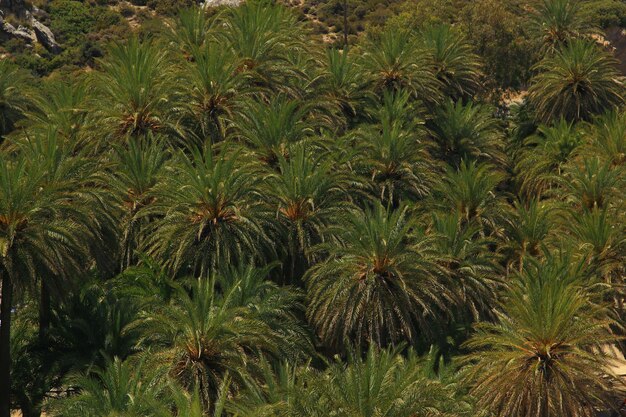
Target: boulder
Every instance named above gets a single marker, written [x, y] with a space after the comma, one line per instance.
[38, 13]
[617, 38]
[25, 33]
[215, 3]
[7, 30]
[45, 37]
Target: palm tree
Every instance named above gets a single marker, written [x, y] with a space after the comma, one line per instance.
[577, 82]
[542, 160]
[595, 184]
[466, 132]
[608, 134]
[13, 95]
[119, 389]
[208, 209]
[557, 22]
[470, 192]
[276, 392]
[384, 383]
[466, 258]
[392, 155]
[213, 90]
[380, 287]
[528, 229]
[395, 61]
[192, 30]
[64, 108]
[269, 130]
[309, 197]
[45, 225]
[457, 67]
[261, 33]
[546, 356]
[602, 238]
[342, 85]
[135, 90]
[211, 334]
[135, 171]
[92, 325]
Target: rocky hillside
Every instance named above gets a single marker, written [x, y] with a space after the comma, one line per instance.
[47, 36]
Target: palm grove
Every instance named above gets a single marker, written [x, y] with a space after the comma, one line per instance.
[230, 219]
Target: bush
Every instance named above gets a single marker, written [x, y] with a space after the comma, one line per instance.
[127, 10]
[605, 13]
[169, 7]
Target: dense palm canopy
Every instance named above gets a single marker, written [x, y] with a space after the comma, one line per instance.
[578, 81]
[545, 356]
[380, 286]
[229, 218]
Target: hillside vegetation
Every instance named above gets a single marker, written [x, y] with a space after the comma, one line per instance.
[215, 213]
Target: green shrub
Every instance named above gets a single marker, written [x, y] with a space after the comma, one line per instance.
[127, 10]
[169, 7]
[606, 13]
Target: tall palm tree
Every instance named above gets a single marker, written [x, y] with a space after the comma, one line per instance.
[192, 30]
[558, 22]
[457, 67]
[309, 196]
[217, 328]
[593, 184]
[466, 132]
[546, 356]
[384, 383]
[261, 33]
[208, 209]
[528, 230]
[464, 253]
[392, 155]
[118, 389]
[72, 175]
[577, 82]
[45, 226]
[608, 134]
[341, 83]
[213, 89]
[396, 61]
[380, 287]
[470, 192]
[602, 238]
[135, 90]
[542, 160]
[269, 130]
[135, 171]
[64, 108]
[13, 95]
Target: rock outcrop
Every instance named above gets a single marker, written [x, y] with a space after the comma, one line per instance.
[617, 39]
[215, 3]
[8, 32]
[26, 34]
[45, 37]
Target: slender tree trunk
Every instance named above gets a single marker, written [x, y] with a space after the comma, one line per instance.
[44, 314]
[5, 346]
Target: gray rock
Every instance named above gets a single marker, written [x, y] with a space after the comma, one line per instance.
[38, 13]
[26, 34]
[215, 3]
[46, 37]
[7, 30]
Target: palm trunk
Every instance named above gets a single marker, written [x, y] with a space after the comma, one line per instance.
[5, 346]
